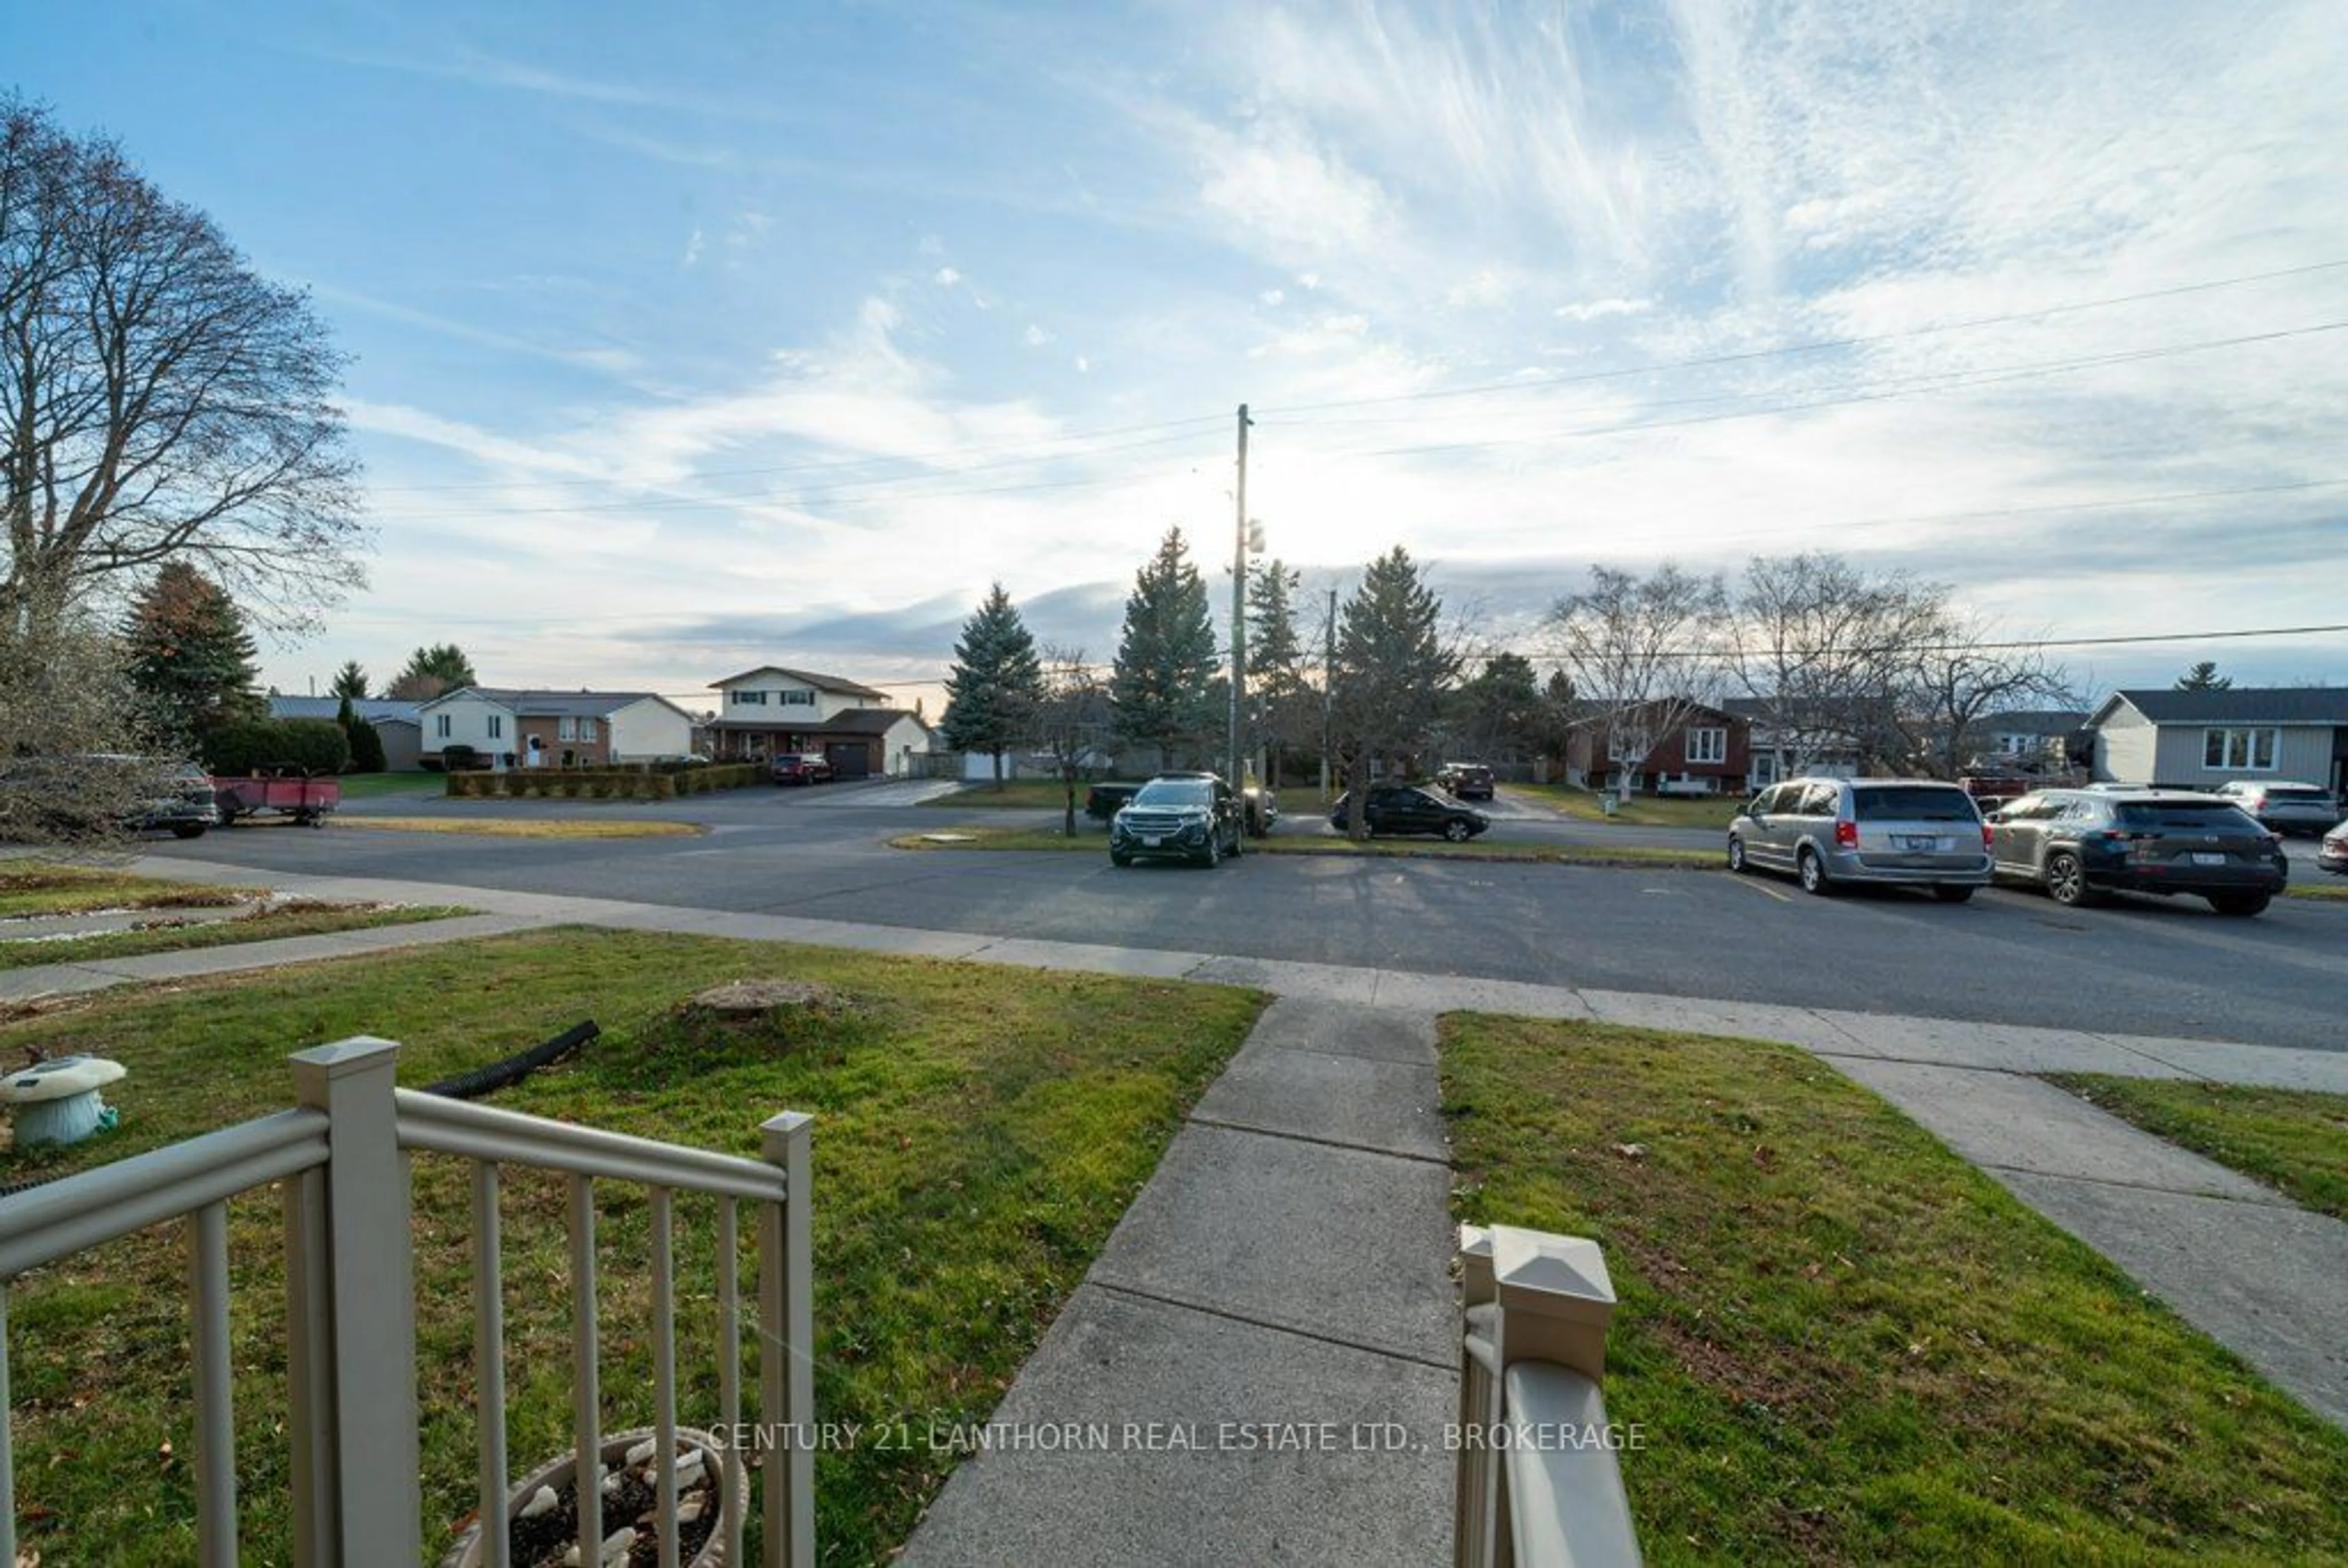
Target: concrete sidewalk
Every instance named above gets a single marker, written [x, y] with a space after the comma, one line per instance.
[1258, 1365]
[2258, 1275]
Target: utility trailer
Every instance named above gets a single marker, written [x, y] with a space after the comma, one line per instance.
[287, 792]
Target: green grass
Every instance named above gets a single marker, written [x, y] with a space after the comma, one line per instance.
[47, 887]
[978, 1132]
[1639, 811]
[2318, 890]
[370, 786]
[260, 925]
[1845, 1345]
[521, 828]
[1096, 841]
[2295, 1141]
[1022, 794]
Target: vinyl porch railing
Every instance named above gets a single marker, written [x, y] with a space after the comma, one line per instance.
[1538, 1485]
[351, 1305]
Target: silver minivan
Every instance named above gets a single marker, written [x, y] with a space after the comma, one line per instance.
[1830, 832]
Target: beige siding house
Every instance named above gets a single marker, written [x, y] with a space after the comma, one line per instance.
[2202, 739]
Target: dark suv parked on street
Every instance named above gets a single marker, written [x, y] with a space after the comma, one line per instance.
[1467, 780]
[2081, 844]
[1179, 816]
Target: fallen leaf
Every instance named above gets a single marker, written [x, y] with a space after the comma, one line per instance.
[1631, 1151]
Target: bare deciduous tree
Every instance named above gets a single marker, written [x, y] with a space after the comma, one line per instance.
[1825, 650]
[1642, 655]
[65, 702]
[1072, 722]
[1964, 673]
[159, 399]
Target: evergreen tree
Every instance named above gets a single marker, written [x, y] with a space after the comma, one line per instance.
[188, 653]
[1163, 682]
[432, 671]
[345, 715]
[1392, 671]
[350, 681]
[2204, 677]
[366, 749]
[1500, 710]
[995, 684]
[1280, 697]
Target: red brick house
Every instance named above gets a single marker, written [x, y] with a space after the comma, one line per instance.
[1706, 752]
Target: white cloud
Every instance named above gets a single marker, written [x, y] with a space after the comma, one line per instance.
[1598, 309]
[1272, 296]
[946, 277]
[692, 249]
[1035, 336]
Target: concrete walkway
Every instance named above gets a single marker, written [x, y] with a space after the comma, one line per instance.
[1331, 1097]
[1258, 1365]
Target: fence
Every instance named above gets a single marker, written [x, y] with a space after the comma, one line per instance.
[1538, 1483]
[350, 1303]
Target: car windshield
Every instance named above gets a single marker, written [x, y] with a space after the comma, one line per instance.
[2304, 796]
[1173, 792]
[1912, 803]
[2187, 815]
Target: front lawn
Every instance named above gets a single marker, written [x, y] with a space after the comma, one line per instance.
[29, 887]
[1639, 811]
[1018, 794]
[304, 917]
[523, 826]
[2295, 1141]
[1845, 1345]
[373, 786]
[978, 1132]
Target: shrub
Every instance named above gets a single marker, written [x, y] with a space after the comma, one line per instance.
[460, 758]
[366, 748]
[309, 745]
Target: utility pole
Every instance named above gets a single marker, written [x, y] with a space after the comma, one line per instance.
[1239, 610]
[1328, 688]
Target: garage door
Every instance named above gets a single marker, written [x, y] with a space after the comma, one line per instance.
[849, 759]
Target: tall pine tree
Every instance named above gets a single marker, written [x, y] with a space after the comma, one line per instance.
[1162, 685]
[996, 683]
[1282, 708]
[190, 654]
[350, 681]
[1393, 669]
[430, 672]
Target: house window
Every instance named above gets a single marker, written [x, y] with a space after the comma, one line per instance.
[1707, 745]
[496, 726]
[799, 697]
[566, 729]
[586, 729]
[2239, 751]
[749, 699]
[2012, 745]
[440, 726]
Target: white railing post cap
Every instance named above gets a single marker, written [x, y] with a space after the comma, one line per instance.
[345, 1055]
[1475, 1241]
[1561, 1276]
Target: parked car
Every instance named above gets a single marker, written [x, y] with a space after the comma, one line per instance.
[1179, 816]
[1261, 808]
[2079, 844]
[1105, 799]
[2332, 853]
[1406, 808]
[802, 768]
[94, 794]
[1832, 832]
[1467, 780]
[2286, 807]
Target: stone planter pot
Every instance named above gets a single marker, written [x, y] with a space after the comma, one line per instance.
[556, 1473]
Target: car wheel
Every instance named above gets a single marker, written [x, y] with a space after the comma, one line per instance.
[188, 830]
[2066, 880]
[1737, 855]
[1950, 892]
[1457, 832]
[1119, 857]
[1214, 856]
[2237, 903]
[1814, 873]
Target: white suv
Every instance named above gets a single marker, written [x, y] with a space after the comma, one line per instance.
[2285, 807]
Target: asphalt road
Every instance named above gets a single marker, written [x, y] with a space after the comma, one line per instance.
[2136, 965]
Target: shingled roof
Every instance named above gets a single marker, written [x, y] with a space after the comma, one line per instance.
[2238, 705]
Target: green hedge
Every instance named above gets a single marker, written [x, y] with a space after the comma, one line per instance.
[599, 783]
[315, 746]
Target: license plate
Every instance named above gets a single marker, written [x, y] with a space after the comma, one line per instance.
[2200, 859]
[1152, 840]
[1925, 842]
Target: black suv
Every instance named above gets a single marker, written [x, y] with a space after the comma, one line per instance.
[1468, 781]
[1406, 808]
[1179, 816]
[2081, 844]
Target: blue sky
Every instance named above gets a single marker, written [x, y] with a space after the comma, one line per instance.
[730, 334]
